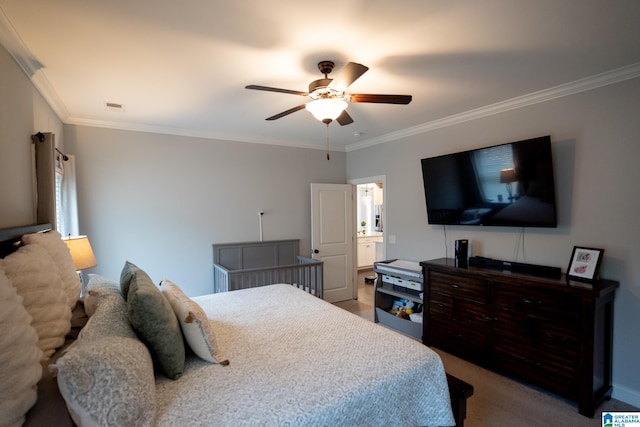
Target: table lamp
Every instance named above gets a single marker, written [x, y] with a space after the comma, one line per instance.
[82, 256]
[507, 176]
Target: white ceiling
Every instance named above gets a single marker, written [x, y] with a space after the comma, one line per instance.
[181, 67]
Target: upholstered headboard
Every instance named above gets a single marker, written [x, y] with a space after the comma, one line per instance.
[10, 237]
[46, 404]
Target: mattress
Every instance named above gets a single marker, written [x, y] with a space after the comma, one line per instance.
[298, 360]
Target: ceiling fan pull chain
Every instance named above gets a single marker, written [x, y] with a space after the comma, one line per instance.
[328, 155]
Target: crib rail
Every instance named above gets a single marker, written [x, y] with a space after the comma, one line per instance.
[306, 274]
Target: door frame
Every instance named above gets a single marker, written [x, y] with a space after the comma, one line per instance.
[368, 180]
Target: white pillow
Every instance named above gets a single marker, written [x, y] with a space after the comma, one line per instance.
[36, 279]
[110, 382]
[97, 284]
[106, 377]
[195, 325]
[97, 281]
[20, 368]
[59, 252]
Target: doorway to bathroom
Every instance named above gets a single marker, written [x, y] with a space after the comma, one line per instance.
[370, 226]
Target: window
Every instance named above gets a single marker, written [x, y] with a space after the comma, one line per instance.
[65, 195]
[55, 185]
[488, 163]
[59, 216]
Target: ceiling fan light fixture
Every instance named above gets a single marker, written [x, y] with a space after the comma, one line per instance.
[326, 108]
[329, 97]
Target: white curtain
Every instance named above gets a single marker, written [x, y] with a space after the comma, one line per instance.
[68, 199]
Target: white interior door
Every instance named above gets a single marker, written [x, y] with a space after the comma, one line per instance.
[332, 238]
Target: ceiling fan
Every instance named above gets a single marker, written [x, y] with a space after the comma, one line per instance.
[329, 97]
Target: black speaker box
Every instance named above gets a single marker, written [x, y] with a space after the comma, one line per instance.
[516, 267]
[462, 253]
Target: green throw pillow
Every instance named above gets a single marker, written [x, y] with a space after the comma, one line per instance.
[126, 275]
[154, 321]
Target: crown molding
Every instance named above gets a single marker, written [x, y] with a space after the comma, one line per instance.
[13, 43]
[50, 95]
[166, 130]
[30, 65]
[603, 79]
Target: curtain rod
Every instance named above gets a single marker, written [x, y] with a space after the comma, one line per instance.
[64, 156]
[40, 137]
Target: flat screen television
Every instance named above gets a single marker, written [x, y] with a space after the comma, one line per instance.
[502, 185]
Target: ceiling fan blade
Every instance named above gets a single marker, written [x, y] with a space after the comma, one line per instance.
[286, 113]
[344, 118]
[380, 99]
[349, 74]
[275, 89]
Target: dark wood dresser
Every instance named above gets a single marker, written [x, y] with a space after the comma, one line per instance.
[553, 333]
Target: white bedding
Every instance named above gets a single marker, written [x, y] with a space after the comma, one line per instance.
[297, 360]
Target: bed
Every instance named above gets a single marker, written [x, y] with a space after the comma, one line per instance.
[268, 355]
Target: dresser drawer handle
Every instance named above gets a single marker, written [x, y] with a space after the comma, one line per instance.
[530, 301]
[489, 318]
[531, 362]
[442, 305]
[555, 337]
[455, 286]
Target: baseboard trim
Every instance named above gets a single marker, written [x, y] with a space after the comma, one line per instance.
[626, 395]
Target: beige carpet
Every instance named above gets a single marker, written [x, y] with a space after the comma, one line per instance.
[497, 400]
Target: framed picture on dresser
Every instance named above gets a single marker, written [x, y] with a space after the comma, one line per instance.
[584, 263]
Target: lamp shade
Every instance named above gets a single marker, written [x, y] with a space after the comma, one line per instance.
[508, 175]
[326, 108]
[81, 252]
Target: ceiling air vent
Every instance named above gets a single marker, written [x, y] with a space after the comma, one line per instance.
[113, 106]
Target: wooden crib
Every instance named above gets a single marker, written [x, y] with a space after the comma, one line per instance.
[251, 264]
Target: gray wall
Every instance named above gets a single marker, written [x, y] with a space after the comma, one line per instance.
[161, 201]
[23, 112]
[596, 148]
[156, 200]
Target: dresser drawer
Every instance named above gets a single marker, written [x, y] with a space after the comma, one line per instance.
[555, 373]
[560, 338]
[461, 341]
[473, 315]
[441, 305]
[458, 286]
[540, 301]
